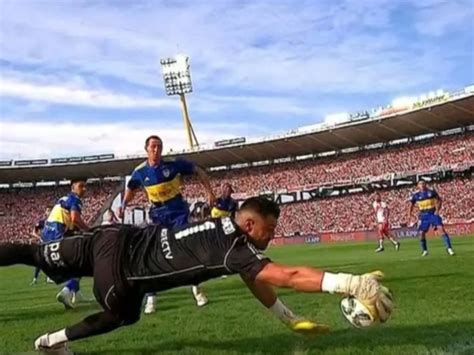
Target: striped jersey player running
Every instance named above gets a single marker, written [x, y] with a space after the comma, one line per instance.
[429, 204]
[162, 180]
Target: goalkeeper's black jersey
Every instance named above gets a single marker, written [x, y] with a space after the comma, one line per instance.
[159, 259]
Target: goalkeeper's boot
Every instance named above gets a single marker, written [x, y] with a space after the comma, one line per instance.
[451, 251]
[42, 345]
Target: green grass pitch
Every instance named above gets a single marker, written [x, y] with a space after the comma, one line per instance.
[434, 309]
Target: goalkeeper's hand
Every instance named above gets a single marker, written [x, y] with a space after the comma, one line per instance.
[368, 289]
[307, 327]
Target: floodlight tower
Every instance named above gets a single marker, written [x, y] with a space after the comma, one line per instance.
[177, 78]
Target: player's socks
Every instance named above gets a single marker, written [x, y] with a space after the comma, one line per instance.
[447, 241]
[51, 339]
[423, 245]
[73, 285]
[150, 306]
[380, 247]
[36, 274]
[199, 296]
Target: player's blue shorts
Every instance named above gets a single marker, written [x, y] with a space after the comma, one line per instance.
[171, 219]
[52, 231]
[429, 220]
[50, 236]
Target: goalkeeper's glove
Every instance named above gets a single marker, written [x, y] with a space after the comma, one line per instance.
[366, 288]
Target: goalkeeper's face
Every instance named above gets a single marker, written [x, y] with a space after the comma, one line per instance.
[260, 229]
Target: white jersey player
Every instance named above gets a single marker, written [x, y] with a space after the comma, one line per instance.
[382, 214]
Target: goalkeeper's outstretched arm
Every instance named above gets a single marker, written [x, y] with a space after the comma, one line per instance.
[306, 279]
[299, 278]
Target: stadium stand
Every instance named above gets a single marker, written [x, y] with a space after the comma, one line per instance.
[414, 157]
[354, 212]
[20, 208]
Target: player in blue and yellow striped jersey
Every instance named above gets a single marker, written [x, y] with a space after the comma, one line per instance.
[162, 180]
[64, 218]
[225, 205]
[429, 204]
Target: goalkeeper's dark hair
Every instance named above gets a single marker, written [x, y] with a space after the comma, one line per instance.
[261, 205]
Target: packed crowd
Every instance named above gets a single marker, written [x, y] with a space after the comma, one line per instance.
[354, 212]
[419, 156]
[22, 208]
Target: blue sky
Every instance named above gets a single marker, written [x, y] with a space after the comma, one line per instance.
[80, 77]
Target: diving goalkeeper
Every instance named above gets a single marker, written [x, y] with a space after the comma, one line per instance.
[127, 262]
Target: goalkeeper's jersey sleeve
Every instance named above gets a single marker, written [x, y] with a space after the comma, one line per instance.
[160, 259]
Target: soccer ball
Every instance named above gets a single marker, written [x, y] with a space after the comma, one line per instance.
[357, 313]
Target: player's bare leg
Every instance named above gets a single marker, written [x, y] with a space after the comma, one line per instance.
[394, 241]
[199, 296]
[380, 248]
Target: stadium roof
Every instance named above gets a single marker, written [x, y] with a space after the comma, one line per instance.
[435, 118]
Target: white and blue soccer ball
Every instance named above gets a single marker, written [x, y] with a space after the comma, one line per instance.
[357, 313]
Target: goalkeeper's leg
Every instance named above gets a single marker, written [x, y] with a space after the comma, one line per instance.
[11, 254]
[121, 307]
[95, 324]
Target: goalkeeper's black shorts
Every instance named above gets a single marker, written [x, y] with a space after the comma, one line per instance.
[94, 255]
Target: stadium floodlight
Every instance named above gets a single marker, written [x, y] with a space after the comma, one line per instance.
[177, 79]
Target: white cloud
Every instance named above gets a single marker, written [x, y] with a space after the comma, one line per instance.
[41, 90]
[275, 59]
[30, 140]
[63, 94]
[266, 46]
